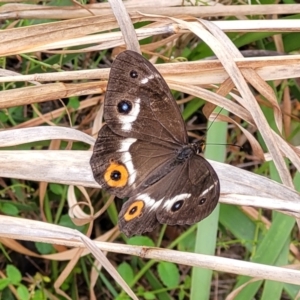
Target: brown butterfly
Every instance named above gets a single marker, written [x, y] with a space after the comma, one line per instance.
[142, 152]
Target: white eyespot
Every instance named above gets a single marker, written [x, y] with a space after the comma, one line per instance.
[207, 190]
[127, 120]
[169, 202]
[127, 159]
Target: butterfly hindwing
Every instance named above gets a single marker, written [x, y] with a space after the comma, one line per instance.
[197, 193]
[184, 196]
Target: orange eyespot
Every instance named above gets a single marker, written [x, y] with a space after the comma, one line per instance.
[134, 210]
[116, 175]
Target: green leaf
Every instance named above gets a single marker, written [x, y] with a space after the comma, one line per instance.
[56, 189]
[141, 241]
[187, 243]
[4, 283]
[44, 248]
[126, 272]
[23, 292]
[74, 102]
[187, 282]
[9, 209]
[13, 274]
[149, 296]
[66, 221]
[7, 294]
[122, 297]
[38, 295]
[168, 273]
[181, 295]
[3, 117]
[154, 283]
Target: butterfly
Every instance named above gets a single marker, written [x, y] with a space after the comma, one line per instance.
[142, 152]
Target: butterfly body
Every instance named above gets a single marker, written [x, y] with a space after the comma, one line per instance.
[142, 152]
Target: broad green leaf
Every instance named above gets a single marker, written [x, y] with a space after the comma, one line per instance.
[9, 209]
[13, 274]
[4, 282]
[126, 272]
[168, 274]
[23, 292]
[149, 296]
[44, 248]
[141, 241]
[57, 189]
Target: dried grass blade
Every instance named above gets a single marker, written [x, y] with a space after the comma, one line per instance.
[125, 24]
[41, 93]
[260, 85]
[225, 56]
[213, 98]
[72, 167]
[28, 135]
[207, 9]
[30, 230]
[40, 231]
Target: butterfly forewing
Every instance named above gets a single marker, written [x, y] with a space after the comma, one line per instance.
[138, 162]
[139, 104]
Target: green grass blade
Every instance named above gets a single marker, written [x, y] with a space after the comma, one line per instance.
[273, 289]
[207, 229]
[270, 249]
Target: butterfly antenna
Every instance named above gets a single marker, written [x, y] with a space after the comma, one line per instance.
[214, 119]
[204, 144]
[234, 145]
